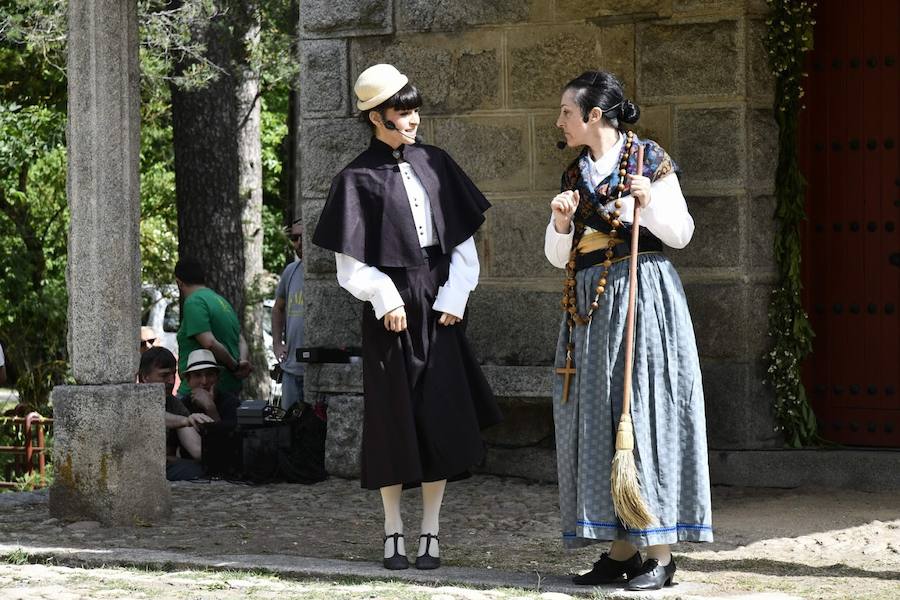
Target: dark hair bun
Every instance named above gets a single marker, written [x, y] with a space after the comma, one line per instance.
[630, 113]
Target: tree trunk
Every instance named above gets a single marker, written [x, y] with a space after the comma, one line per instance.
[207, 171]
[250, 160]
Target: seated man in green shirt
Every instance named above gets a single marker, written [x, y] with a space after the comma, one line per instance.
[208, 321]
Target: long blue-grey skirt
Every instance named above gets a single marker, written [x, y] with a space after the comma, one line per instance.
[667, 410]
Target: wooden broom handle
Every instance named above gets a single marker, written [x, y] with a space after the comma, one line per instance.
[632, 294]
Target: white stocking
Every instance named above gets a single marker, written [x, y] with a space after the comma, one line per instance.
[660, 552]
[432, 497]
[393, 522]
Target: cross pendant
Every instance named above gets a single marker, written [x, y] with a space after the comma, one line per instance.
[567, 373]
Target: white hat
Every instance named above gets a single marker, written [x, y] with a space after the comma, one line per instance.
[376, 84]
[201, 359]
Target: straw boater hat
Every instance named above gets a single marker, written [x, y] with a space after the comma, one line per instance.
[376, 84]
[201, 359]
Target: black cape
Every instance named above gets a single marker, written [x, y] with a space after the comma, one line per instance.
[367, 214]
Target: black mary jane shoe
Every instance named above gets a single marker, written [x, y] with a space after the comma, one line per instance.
[652, 576]
[427, 561]
[398, 561]
[607, 570]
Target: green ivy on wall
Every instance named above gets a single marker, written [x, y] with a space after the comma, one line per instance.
[789, 36]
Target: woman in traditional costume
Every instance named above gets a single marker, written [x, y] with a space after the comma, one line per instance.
[589, 236]
[401, 219]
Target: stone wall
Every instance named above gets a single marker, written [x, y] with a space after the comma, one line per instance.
[491, 72]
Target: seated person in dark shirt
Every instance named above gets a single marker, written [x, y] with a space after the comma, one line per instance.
[201, 376]
[182, 427]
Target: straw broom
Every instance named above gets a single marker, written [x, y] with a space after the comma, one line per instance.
[626, 490]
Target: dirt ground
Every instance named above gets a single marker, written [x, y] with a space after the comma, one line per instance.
[828, 544]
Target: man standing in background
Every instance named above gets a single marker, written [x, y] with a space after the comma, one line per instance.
[287, 322]
[208, 321]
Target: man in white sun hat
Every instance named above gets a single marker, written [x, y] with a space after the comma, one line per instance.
[400, 219]
[201, 375]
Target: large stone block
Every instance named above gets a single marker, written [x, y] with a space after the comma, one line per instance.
[323, 77]
[717, 237]
[447, 15]
[333, 316]
[706, 6]
[103, 190]
[315, 259]
[763, 135]
[762, 226]
[343, 440]
[738, 407]
[514, 245]
[655, 124]
[709, 148]
[345, 18]
[326, 147]
[535, 463]
[454, 73]
[719, 316]
[543, 59]
[109, 454]
[510, 324]
[520, 383]
[493, 151]
[611, 9]
[758, 340]
[689, 59]
[523, 425]
[549, 161]
[864, 469]
[760, 81]
[617, 51]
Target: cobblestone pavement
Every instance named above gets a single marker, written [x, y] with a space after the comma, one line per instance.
[821, 542]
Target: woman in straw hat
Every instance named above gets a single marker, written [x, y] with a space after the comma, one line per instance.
[588, 235]
[400, 220]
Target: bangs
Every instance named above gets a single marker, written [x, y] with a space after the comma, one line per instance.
[407, 98]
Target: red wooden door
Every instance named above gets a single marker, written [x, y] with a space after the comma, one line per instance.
[851, 244]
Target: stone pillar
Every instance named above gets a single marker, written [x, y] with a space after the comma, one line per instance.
[109, 450]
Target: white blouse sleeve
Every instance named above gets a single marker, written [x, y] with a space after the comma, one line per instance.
[368, 284]
[464, 270]
[667, 214]
[557, 246]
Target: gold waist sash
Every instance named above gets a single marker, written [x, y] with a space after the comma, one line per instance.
[595, 240]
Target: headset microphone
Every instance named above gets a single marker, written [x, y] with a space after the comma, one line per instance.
[388, 124]
[561, 145]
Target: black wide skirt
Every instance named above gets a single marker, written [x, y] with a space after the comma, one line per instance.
[426, 398]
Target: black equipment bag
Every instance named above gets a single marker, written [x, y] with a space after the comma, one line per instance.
[291, 449]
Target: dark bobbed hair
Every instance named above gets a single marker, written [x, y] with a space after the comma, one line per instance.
[601, 89]
[190, 271]
[156, 357]
[407, 98]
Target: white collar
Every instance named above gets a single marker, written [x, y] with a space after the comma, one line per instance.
[605, 164]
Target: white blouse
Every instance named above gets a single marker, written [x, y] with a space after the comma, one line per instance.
[369, 284]
[666, 216]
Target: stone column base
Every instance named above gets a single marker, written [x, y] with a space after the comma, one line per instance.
[109, 454]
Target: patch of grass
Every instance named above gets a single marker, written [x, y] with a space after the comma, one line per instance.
[16, 557]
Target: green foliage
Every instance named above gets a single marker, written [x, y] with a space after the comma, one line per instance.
[33, 225]
[789, 37]
[276, 248]
[33, 209]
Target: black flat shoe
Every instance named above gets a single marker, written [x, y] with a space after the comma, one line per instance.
[427, 561]
[397, 561]
[607, 570]
[652, 576]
